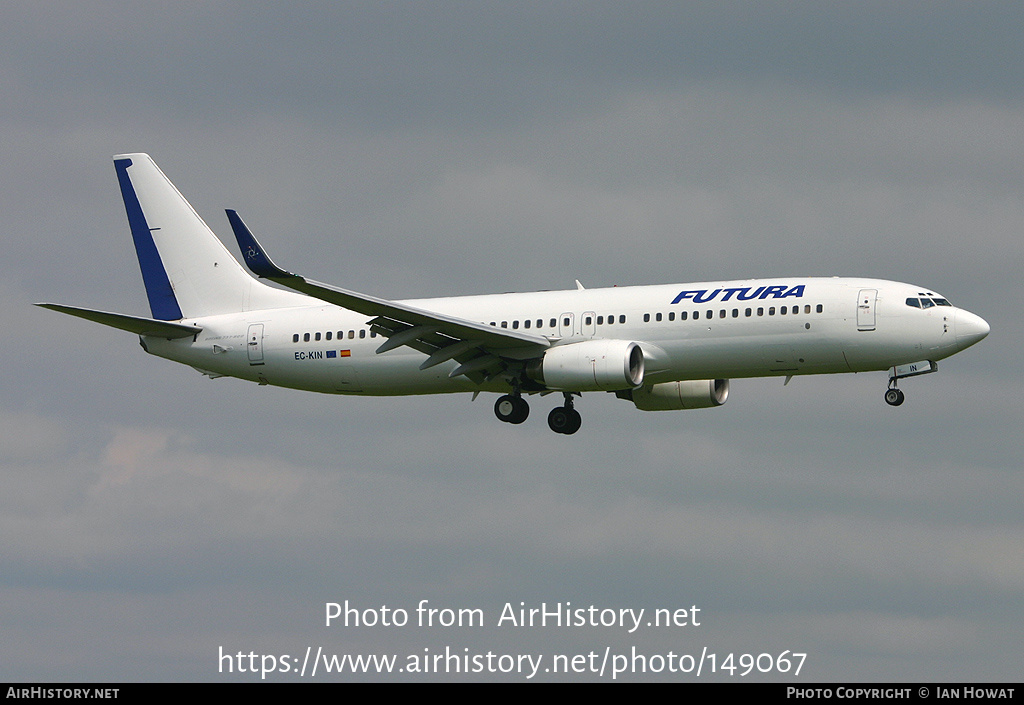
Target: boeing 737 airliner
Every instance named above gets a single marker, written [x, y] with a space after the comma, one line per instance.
[662, 347]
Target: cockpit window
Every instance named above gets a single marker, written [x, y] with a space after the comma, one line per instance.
[924, 302]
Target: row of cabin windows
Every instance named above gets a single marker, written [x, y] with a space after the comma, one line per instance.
[539, 323]
[723, 313]
[330, 335]
[588, 320]
[527, 323]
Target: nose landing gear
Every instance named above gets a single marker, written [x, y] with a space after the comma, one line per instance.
[894, 397]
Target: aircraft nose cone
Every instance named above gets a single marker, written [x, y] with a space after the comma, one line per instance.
[969, 329]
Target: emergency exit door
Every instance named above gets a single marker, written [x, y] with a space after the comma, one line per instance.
[255, 344]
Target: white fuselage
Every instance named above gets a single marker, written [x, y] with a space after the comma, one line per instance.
[664, 348]
[750, 328]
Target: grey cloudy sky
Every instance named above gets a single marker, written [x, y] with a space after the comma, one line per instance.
[151, 516]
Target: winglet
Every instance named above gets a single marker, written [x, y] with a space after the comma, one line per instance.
[252, 252]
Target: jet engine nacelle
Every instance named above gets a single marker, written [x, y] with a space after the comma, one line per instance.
[673, 396]
[590, 366]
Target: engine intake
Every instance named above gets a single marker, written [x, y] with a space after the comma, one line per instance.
[673, 396]
[590, 366]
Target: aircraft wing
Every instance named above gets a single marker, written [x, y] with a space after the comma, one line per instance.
[132, 324]
[481, 350]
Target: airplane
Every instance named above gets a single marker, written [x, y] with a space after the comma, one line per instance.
[661, 347]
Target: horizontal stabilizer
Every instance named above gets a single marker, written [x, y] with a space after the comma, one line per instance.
[132, 324]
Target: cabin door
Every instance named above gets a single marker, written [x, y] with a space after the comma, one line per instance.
[866, 309]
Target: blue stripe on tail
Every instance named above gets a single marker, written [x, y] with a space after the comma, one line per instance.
[162, 302]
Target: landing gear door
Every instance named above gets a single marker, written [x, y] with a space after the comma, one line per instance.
[866, 309]
[254, 344]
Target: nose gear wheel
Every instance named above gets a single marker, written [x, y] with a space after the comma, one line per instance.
[894, 396]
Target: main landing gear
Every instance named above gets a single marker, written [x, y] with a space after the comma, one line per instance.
[565, 419]
[512, 408]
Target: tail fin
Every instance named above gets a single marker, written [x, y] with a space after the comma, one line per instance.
[187, 271]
